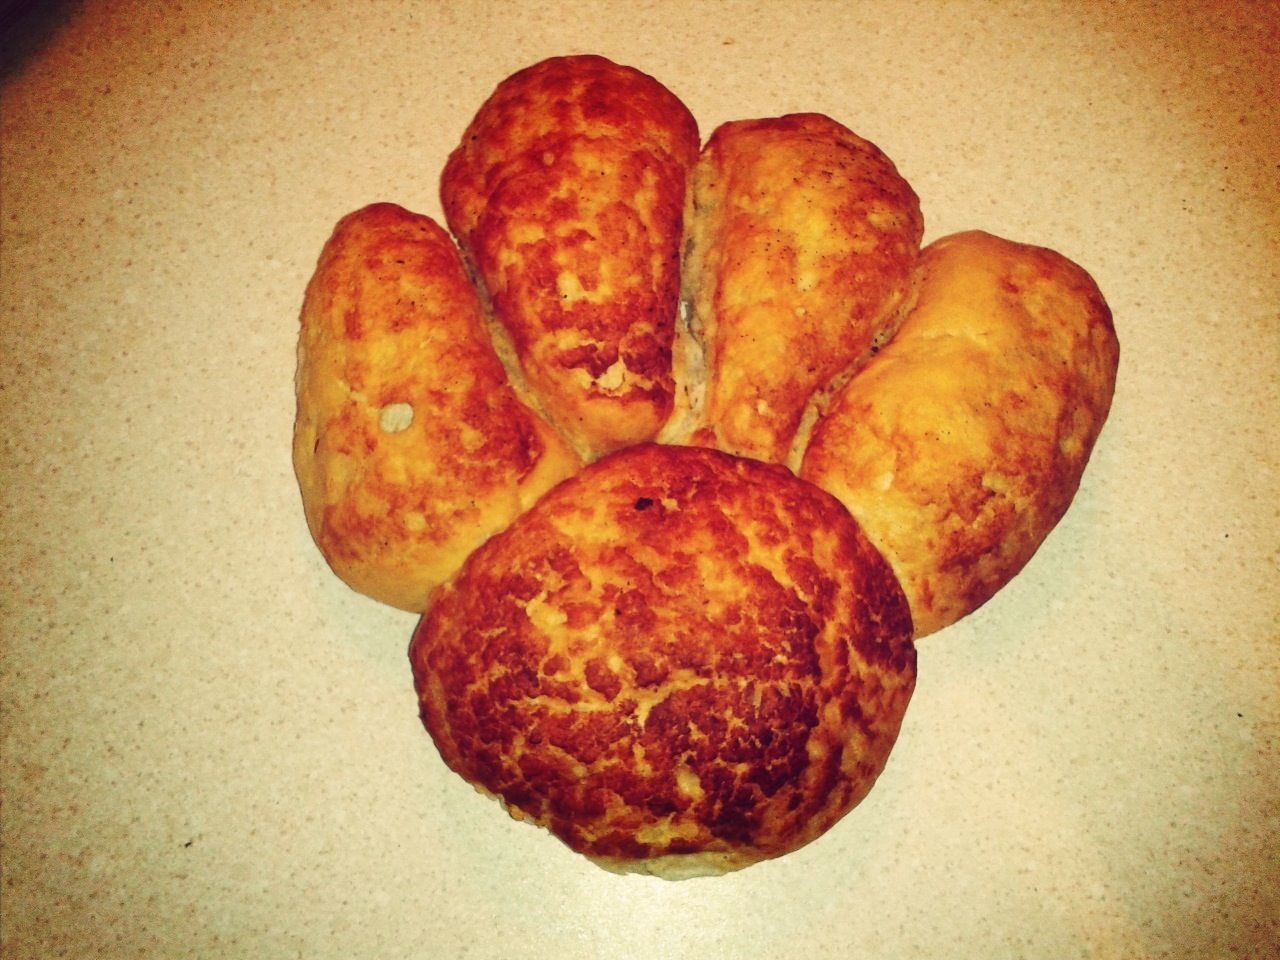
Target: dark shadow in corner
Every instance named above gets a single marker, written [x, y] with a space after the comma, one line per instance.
[26, 26]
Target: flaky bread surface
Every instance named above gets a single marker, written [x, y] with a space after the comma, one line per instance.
[567, 194]
[961, 445]
[802, 236]
[679, 661]
[410, 447]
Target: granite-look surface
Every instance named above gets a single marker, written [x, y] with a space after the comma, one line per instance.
[210, 745]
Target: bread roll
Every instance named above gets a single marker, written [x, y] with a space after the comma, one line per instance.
[410, 447]
[960, 446]
[680, 662]
[567, 195]
[801, 240]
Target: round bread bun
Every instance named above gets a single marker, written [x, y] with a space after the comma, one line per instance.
[680, 662]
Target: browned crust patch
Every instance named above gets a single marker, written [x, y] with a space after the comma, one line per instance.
[567, 194]
[675, 653]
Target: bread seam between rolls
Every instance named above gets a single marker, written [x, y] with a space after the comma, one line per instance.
[691, 353]
[505, 349]
[816, 406]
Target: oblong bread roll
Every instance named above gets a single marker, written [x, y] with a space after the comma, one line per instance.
[567, 195]
[961, 445]
[680, 662]
[802, 236]
[410, 446]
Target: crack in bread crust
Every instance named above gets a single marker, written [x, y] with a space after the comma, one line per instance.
[676, 653]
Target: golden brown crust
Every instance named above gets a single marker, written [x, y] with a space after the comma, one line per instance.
[410, 447]
[962, 444]
[679, 661]
[802, 239]
[567, 193]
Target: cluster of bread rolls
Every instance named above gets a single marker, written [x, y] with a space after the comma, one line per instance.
[678, 452]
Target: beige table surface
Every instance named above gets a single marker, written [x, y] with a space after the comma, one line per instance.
[210, 745]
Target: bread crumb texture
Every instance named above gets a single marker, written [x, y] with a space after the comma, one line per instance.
[567, 194]
[410, 447]
[961, 445]
[678, 661]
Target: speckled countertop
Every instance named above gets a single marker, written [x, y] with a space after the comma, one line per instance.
[210, 745]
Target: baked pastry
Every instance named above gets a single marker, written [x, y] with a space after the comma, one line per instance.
[960, 446]
[410, 447]
[567, 196]
[802, 237]
[693, 655]
[679, 661]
